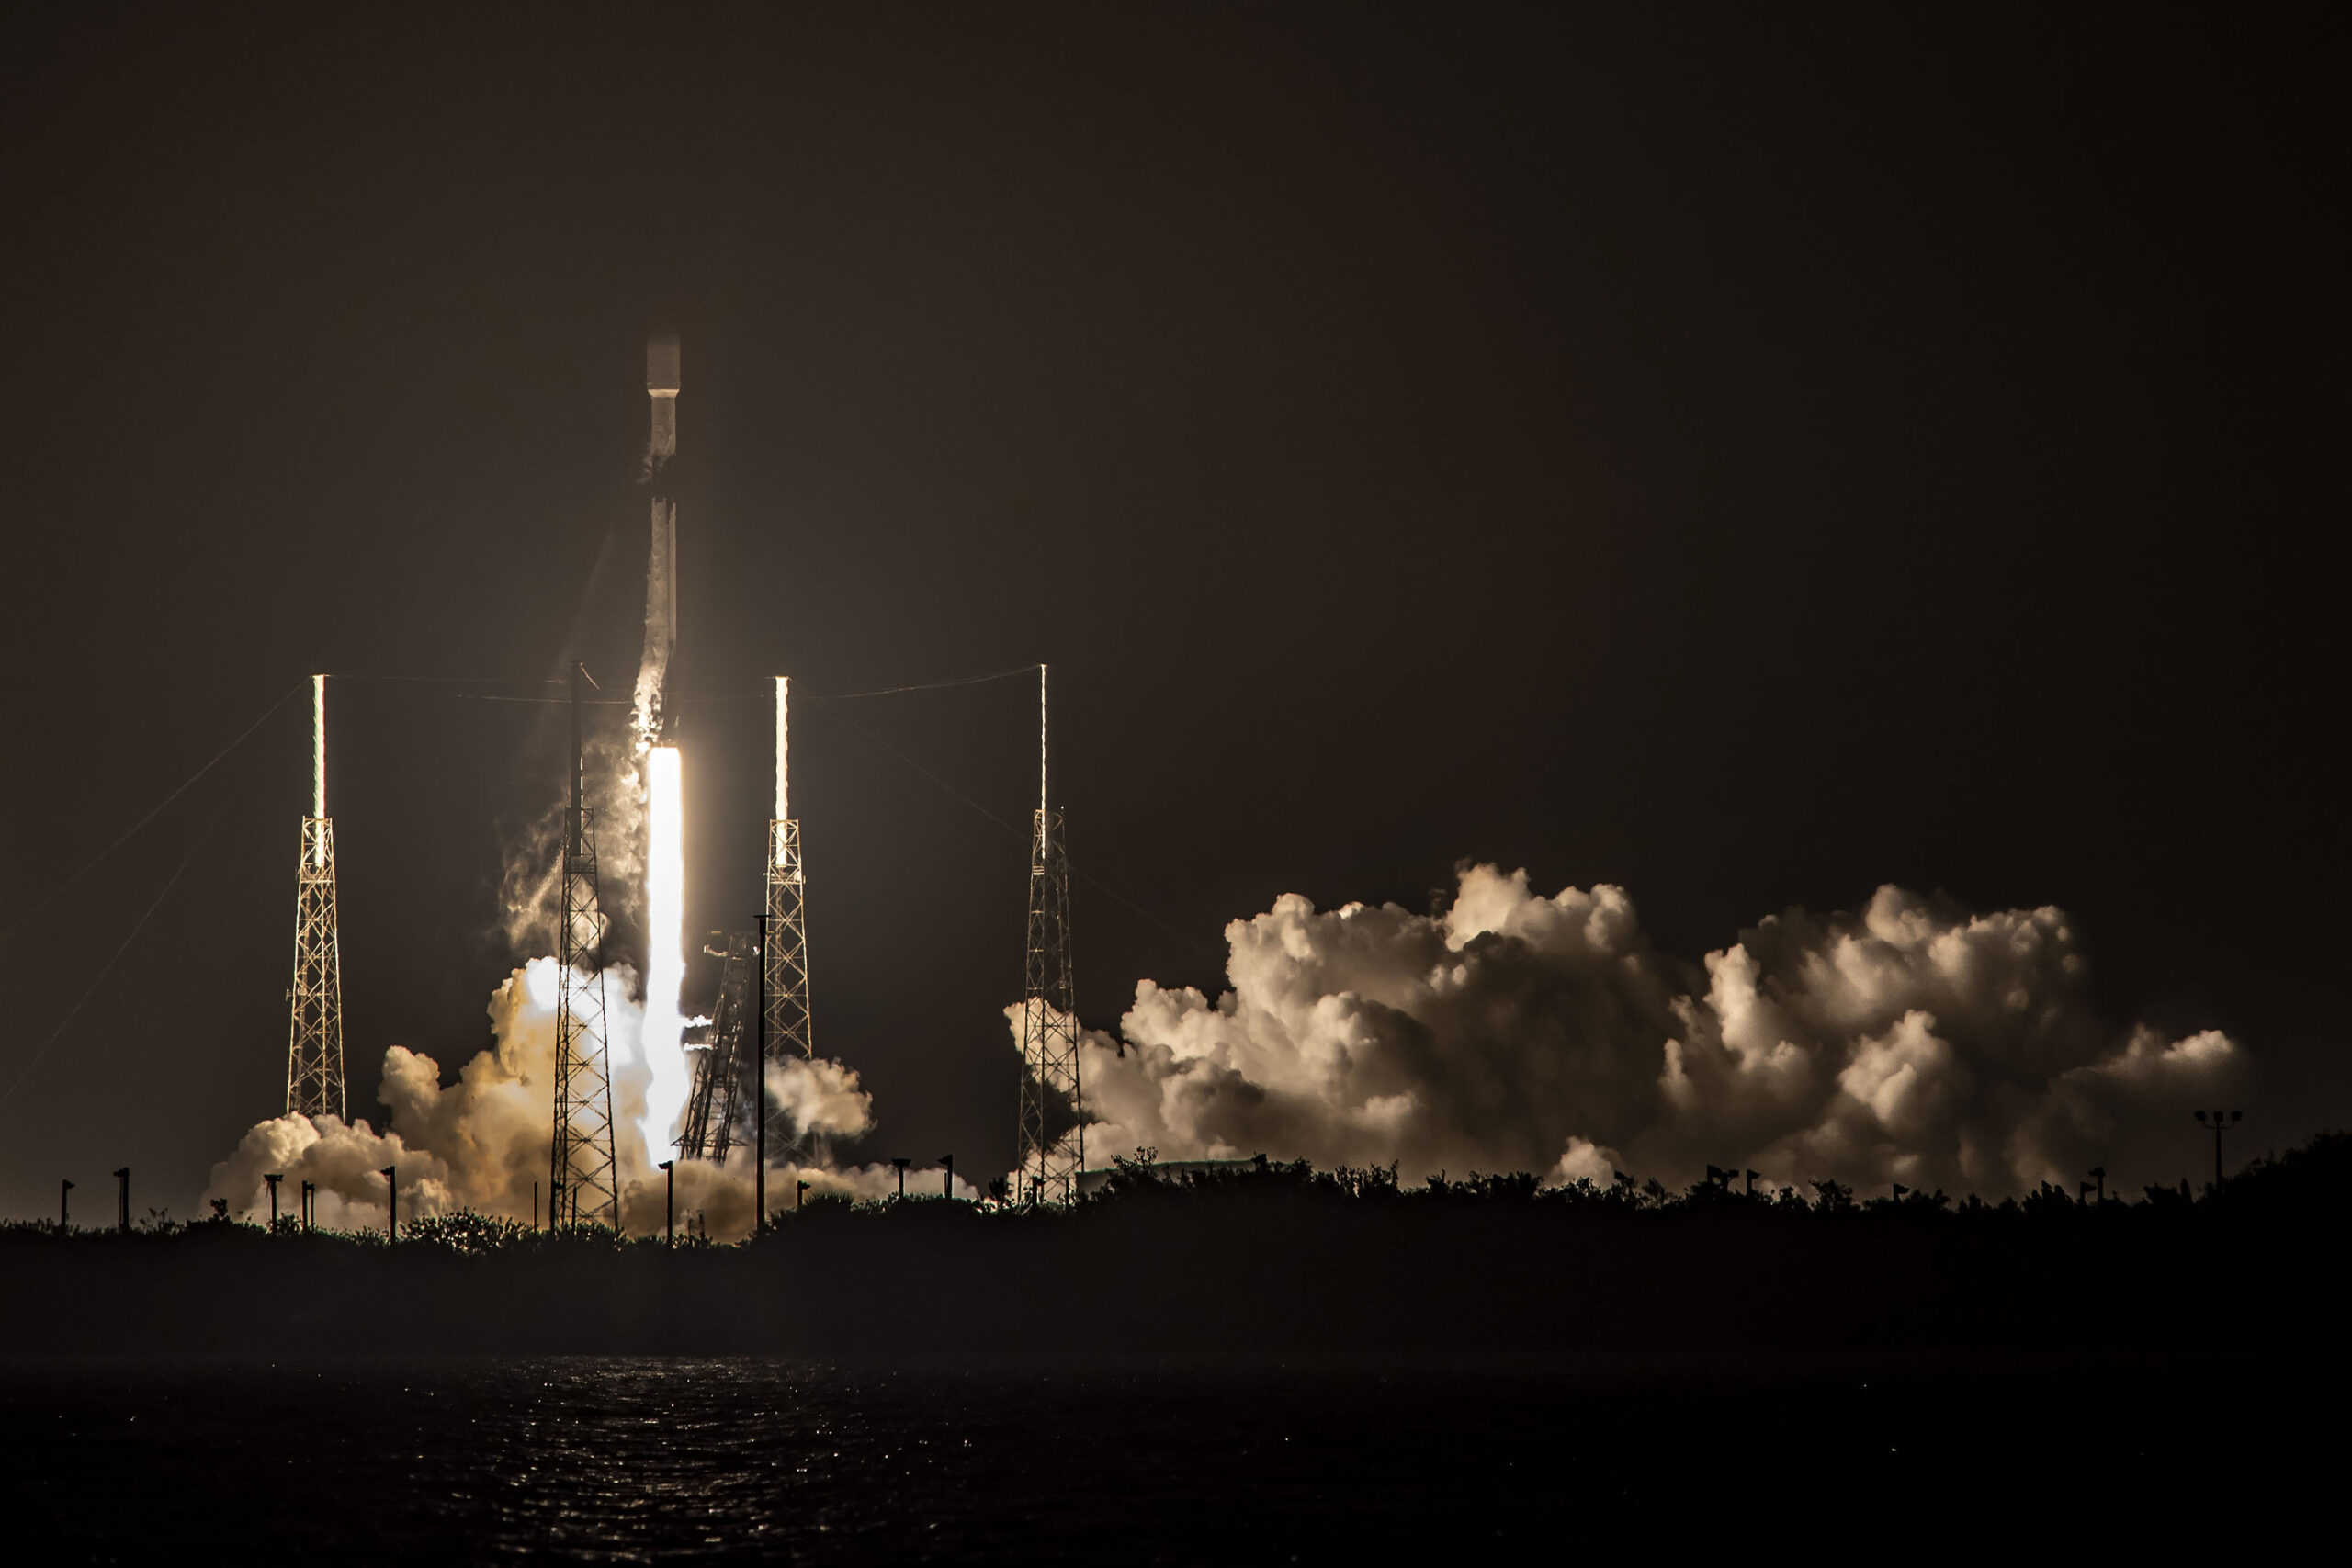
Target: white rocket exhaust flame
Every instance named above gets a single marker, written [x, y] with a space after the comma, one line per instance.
[665, 967]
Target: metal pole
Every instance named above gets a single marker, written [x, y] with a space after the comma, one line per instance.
[273, 1181]
[122, 1219]
[800, 1197]
[947, 1188]
[391, 1203]
[579, 763]
[760, 1094]
[535, 1208]
[2220, 1121]
[61, 1206]
[669, 1203]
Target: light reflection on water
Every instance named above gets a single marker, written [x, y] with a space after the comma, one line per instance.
[639, 1459]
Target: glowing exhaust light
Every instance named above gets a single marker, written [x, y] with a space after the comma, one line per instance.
[538, 984]
[319, 765]
[665, 959]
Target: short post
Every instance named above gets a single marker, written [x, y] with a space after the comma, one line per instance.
[947, 1188]
[800, 1197]
[61, 1203]
[901, 1161]
[391, 1203]
[122, 1219]
[669, 1203]
[273, 1177]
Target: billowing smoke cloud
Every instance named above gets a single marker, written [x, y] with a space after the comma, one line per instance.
[482, 1141]
[822, 1097]
[1911, 1042]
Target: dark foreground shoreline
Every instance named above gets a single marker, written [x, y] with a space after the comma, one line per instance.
[1162, 1458]
[1283, 1261]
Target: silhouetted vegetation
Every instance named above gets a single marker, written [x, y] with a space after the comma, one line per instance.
[1260, 1255]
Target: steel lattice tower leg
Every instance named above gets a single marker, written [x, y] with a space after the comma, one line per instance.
[315, 1036]
[583, 1182]
[786, 950]
[1051, 1155]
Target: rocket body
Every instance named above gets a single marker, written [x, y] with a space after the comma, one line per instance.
[662, 556]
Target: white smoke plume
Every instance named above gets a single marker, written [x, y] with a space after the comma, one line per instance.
[1912, 1043]
[531, 871]
[481, 1143]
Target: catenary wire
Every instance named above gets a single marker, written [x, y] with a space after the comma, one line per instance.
[91, 989]
[18, 924]
[1094, 882]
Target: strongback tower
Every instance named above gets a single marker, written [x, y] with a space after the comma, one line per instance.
[1050, 1160]
[723, 1069]
[583, 1184]
[786, 943]
[314, 1041]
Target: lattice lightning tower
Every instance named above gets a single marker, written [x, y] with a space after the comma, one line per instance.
[1052, 1153]
[786, 943]
[314, 1040]
[584, 1183]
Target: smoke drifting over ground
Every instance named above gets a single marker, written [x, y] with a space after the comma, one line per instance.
[1912, 1042]
[482, 1141]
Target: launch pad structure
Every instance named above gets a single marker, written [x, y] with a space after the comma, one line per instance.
[583, 1181]
[762, 1018]
[731, 1074]
[786, 943]
[1052, 1153]
[315, 1036]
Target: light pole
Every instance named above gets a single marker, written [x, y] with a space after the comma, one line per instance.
[310, 1191]
[902, 1162]
[947, 1188]
[122, 1200]
[391, 1203]
[273, 1177]
[2220, 1119]
[669, 1203]
[62, 1203]
[800, 1197]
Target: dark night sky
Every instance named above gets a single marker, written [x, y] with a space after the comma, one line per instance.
[1748, 458]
